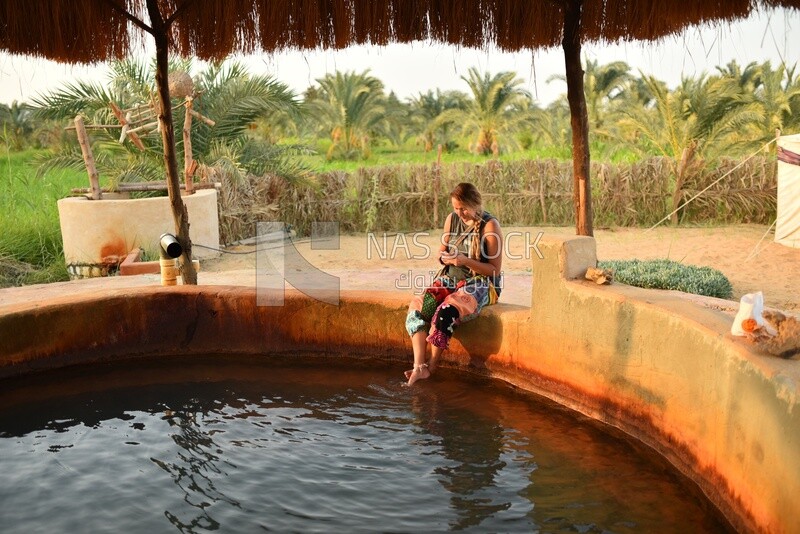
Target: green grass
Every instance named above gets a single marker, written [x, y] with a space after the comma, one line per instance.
[413, 154]
[410, 153]
[30, 243]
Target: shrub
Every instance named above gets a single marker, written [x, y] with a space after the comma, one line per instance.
[668, 274]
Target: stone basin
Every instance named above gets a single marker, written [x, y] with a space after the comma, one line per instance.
[661, 368]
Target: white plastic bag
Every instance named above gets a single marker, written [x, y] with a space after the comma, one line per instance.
[751, 306]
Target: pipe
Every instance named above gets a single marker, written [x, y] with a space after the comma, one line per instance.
[169, 248]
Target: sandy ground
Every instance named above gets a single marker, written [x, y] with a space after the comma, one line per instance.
[750, 262]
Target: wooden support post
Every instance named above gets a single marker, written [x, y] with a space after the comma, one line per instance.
[187, 147]
[579, 118]
[160, 29]
[436, 177]
[88, 158]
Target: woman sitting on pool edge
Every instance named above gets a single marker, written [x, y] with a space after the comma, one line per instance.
[472, 256]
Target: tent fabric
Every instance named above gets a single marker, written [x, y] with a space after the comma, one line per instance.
[787, 225]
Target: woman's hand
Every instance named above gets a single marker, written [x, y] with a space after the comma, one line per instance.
[454, 258]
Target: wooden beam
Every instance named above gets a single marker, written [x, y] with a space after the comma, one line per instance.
[124, 122]
[187, 146]
[203, 118]
[88, 158]
[129, 16]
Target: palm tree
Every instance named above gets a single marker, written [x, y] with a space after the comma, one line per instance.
[707, 113]
[225, 93]
[777, 91]
[702, 118]
[550, 127]
[350, 108]
[17, 124]
[604, 85]
[499, 109]
[425, 110]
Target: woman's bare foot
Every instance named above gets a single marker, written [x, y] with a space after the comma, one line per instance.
[419, 372]
[432, 365]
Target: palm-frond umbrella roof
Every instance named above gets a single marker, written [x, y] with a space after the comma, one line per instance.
[88, 31]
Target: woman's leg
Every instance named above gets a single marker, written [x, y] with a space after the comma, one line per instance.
[434, 361]
[420, 344]
[417, 324]
[420, 370]
[420, 312]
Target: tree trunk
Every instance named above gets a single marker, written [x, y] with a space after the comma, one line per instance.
[179, 213]
[579, 118]
[686, 158]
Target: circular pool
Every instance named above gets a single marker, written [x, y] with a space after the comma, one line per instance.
[241, 444]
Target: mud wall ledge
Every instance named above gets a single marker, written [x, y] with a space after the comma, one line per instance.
[662, 369]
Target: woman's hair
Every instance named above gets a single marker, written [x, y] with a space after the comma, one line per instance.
[468, 194]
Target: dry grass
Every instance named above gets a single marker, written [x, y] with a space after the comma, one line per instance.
[520, 193]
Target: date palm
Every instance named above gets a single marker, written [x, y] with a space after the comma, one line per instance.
[702, 118]
[17, 125]
[351, 108]
[605, 86]
[426, 109]
[499, 109]
[777, 91]
[228, 95]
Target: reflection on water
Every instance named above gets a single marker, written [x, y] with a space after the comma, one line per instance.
[240, 445]
[473, 447]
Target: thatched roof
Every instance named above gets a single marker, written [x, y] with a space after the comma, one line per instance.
[86, 31]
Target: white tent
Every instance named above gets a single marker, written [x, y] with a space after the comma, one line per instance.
[787, 226]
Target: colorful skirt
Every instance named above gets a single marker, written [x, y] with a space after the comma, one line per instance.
[445, 304]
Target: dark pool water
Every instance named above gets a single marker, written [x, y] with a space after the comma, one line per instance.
[250, 445]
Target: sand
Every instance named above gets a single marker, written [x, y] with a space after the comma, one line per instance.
[739, 252]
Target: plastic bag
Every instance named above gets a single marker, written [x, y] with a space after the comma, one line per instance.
[749, 319]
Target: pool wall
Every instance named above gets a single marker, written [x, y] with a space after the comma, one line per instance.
[660, 367]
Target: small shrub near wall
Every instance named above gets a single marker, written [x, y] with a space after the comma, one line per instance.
[668, 274]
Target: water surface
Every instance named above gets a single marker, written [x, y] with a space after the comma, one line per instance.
[241, 444]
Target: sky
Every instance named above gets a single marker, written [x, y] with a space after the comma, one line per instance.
[410, 69]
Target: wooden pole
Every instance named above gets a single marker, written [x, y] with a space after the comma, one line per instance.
[88, 158]
[436, 178]
[204, 119]
[124, 122]
[179, 213]
[579, 118]
[187, 147]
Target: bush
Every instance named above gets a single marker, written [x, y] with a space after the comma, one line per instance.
[668, 274]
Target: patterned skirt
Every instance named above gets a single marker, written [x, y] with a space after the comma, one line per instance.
[445, 304]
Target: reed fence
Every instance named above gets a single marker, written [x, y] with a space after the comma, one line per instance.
[520, 193]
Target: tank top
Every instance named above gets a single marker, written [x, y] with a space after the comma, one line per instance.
[458, 228]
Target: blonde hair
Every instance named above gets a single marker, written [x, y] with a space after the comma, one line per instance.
[468, 194]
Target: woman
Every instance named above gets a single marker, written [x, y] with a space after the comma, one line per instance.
[472, 256]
